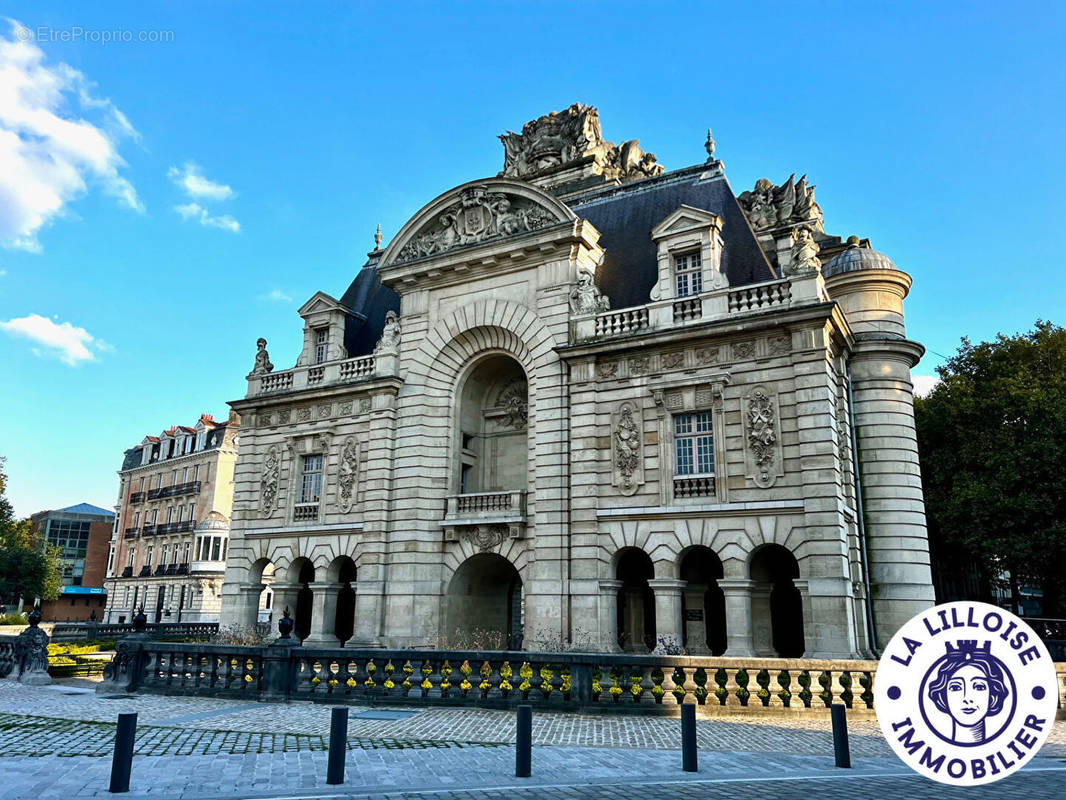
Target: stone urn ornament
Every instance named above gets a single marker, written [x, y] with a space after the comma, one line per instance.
[285, 624]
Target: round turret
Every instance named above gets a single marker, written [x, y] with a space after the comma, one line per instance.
[870, 290]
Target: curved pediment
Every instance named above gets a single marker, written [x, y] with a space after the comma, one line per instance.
[475, 212]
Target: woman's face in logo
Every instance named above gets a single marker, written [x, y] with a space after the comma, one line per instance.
[967, 695]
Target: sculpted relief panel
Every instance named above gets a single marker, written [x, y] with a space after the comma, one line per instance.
[627, 447]
[558, 138]
[478, 216]
[762, 437]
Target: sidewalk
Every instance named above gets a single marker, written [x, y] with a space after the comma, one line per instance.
[56, 743]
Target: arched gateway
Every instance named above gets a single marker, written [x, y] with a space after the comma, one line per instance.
[590, 403]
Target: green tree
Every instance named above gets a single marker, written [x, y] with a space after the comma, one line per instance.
[992, 442]
[28, 568]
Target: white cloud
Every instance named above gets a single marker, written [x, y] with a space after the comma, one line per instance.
[924, 384]
[65, 341]
[49, 154]
[192, 181]
[276, 296]
[195, 211]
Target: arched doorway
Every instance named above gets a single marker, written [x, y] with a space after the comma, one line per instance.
[776, 603]
[342, 571]
[492, 427]
[304, 572]
[636, 602]
[703, 602]
[485, 604]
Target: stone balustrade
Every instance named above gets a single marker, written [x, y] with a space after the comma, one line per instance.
[334, 372]
[485, 504]
[714, 305]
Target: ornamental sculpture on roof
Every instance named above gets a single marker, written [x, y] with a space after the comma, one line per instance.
[562, 137]
[479, 215]
[769, 206]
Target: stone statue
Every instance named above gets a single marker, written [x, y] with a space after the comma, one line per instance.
[562, 137]
[390, 335]
[32, 650]
[585, 297]
[377, 238]
[709, 146]
[770, 206]
[262, 359]
[804, 253]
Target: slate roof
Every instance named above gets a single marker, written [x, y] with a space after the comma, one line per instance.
[624, 215]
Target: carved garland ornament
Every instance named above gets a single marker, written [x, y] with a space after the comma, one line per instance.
[347, 472]
[762, 436]
[628, 466]
[268, 485]
[478, 216]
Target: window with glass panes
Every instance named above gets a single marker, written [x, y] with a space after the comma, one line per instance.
[687, 274]
[311, 487]
[693, 444]
[321, 344]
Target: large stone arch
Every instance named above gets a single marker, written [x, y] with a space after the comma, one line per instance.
[518, 195]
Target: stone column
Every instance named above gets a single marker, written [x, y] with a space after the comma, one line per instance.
[667, 611]
[368, 602]
[695, 630]
[737, 593]
[609, 615]
[323, 615]
[244, 607]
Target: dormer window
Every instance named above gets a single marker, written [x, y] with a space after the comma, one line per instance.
[321, 344]
[688, 274]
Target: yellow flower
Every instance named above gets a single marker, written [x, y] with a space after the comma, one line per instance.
[506, 686]
[465, 685]
[615, 690]
[389, 684]
[333, 682]
[426, 684]
[315, 680]
[351, 682]
[247, 678]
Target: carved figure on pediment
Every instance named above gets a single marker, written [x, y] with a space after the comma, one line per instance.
[585, 297]
[804, 253]
[390, 335]
[262, 359]
[478, 215]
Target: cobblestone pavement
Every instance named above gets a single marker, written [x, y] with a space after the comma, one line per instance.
[55, 742]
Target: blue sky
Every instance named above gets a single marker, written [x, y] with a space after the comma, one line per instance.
[164, 203]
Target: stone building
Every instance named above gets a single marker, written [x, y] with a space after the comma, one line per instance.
[168, 552]
[593, 404]
[81, 532]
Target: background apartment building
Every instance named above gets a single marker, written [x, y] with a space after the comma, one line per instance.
[168, 551]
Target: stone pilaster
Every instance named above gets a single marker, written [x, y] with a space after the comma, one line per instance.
[667, 611]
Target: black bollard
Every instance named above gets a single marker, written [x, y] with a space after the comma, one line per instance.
[523, 757]
[122, 760]
[338, 745]
[689, 758]
[840, 736]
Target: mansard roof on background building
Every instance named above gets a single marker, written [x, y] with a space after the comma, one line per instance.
[161, 447]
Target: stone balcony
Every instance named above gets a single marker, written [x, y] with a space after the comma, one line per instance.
[712, 306]
[503, 510]
[331, 373]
